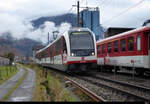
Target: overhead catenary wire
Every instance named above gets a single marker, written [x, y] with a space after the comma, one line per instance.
[69, 11]
[102, 2]
[126, 10]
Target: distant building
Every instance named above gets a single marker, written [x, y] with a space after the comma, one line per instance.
[4, 61]
[115, 30]
[90, 19]
[17, 59]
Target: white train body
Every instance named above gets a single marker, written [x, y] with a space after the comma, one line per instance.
[74, 50]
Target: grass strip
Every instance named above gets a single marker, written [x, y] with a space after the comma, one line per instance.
[50, 88]
[16, 86]
[57, 91]
[7, 72]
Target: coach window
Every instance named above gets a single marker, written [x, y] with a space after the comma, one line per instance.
[98, 49]
[139, 43]
[130, 44]
[109, 47]
[103, 48]
[116, 46]
[123, 45]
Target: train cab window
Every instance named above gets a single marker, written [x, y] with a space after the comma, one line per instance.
[98, 49]
[109, 47]
[103, 48]
[139, 43]
[123, 45]
[116, 46]
[130, 43]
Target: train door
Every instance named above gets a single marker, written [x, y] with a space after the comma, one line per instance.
[64, 50]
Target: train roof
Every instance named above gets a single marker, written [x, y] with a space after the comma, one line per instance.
[70, 30]
[50, 43]
[145, 28]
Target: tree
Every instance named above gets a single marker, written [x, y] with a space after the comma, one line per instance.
[10, 56]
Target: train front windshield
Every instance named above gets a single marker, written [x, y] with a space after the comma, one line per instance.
[81, 43]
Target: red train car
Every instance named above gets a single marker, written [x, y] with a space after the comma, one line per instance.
[129, 49]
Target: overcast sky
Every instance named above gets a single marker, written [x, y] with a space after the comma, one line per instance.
[16, 14]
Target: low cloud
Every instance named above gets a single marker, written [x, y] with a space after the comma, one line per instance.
[21, 28]
[15, 15]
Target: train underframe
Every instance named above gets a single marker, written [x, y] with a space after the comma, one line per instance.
[110, 68]
[81, 67]
[73, 68]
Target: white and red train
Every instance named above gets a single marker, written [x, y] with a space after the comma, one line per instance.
[73, 51]
[129, 49]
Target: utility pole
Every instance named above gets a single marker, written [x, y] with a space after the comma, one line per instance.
[78, 18]
[55, 34]
[79, 22]
[48, 38]
[86, 4]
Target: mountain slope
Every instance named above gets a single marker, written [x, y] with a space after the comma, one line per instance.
[22, 47]
[70, 18]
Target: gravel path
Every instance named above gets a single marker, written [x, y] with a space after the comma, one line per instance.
[9, 84]
[25, 91]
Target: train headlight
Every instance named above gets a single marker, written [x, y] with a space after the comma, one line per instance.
[93, 54]
[72, 54]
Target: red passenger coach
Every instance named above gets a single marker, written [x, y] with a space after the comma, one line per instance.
[129, 49]
[73, 51]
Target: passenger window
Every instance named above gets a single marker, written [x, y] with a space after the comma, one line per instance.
[130, 44]
[116, 46]
[98, 49]
[123, 45]
[103, 48]
[109, 47]
[139, 43]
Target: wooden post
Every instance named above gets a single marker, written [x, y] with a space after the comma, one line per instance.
[45, 73]
[114, 70]
[7, 71]
[0, 75]
[101, 68]
[132, 61]
[10, 69]
[133, 71]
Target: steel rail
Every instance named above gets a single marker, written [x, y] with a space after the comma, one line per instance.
[115, 89]
[123, 83]
[87, 91]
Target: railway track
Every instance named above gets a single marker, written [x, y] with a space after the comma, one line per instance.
[125, 77]
[145, 89]
[133, 92]
[64, 77]
[125, 73]
[86, 91]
